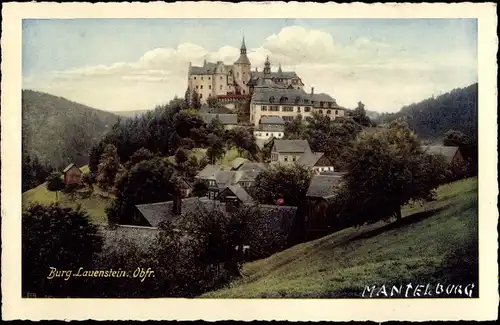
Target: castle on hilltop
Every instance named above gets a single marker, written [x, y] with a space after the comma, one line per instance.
[271, 93]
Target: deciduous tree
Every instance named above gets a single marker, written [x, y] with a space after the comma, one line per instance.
[55, 183]
[287, 182]
[60, 238]
[388, 169]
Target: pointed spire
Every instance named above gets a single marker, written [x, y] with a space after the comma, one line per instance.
[243, 49]
[279, 69]
[205, 61]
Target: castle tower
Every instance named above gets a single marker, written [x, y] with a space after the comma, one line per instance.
[220, 80]
[267, 68]
[242, 69]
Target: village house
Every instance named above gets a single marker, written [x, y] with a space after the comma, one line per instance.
[72, 174]
[269, 127]
[462, 160]
[228, 121]
[320, 193]
[242, 173]
[451, 154]
[234, 193]
[317, 161]
[288, 151]
[298, 151]
[270, 223]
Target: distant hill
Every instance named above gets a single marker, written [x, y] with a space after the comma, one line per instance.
[59, 131]
[131, 113]
[372, 114]
[432, 117]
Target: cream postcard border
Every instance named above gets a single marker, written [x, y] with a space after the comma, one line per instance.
[13, 307]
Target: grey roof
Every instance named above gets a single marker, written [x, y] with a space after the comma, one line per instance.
[253, 166]
[155, 213]
[322, 97]
[310, 159]
[226, 177]
[271, 128]
[240, 193]
[323, 185]
[69, 167]
[447, 152]
[263, 83]
[122, 237]
[208, 68]
[262, 95]
[296, 146]
[243, 59]
[329, 173]
[274, 218]
[276, 74]
[225, 119]
[272, 120]
[238, 162]
[209, 172]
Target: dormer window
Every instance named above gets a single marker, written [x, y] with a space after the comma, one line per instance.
[328, 112]
[271, 99]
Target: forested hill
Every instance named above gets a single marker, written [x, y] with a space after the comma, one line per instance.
[59, 131]
[431, 118]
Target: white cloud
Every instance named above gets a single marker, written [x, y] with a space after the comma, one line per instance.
[382, 75]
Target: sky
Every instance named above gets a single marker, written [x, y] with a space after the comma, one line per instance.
[136, 64]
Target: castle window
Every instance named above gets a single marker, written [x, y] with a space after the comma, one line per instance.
[194, 78]
[307, 109]
[287, 109]
[286, 158]
[264, 108]
[201, 87]
[293, 159]
[196, 86]
[209, 87]
[328, 112]
[220, 87]
[321, 111]
[298, 109]
[329, 105]
[208, 78]
[336, 112]
[243, 92]
[201, 78]
[267, 134]
[274, 108]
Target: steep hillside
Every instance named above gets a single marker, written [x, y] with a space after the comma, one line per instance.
[431, 118]
[131, 113]
[436, 242]
[59, 131]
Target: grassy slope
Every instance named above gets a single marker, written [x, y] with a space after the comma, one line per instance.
[341, 264]
[94, 205]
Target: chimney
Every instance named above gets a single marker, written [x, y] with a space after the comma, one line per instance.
[177, 205]
[312, 90]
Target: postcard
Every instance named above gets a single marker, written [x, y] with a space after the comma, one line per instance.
[249, 161]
